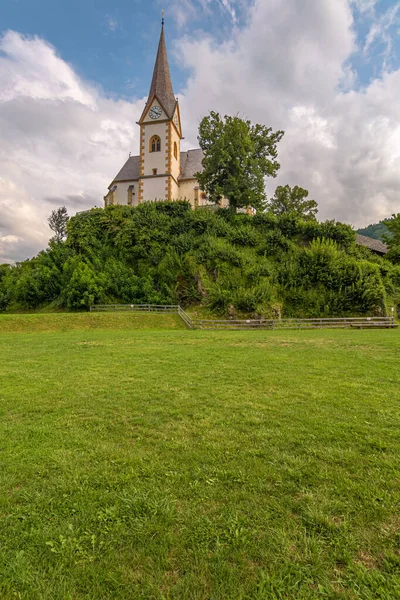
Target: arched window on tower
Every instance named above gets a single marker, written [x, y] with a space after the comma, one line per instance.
[176, 150]
[155, 144]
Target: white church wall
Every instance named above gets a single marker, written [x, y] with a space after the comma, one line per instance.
[154, 160]
[121, 193]
[186, 190]
[155, 189]
[175, 162]
[175, 191]
[189, 190]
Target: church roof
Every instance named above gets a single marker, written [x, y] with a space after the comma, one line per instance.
[130, 170]
[161, 84]
[190, 164]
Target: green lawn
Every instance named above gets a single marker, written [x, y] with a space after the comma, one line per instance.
[34, 323]
[167, 463]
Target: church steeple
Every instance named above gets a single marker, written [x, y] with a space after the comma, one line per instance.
[161, 84]
[156, 174]
[160, 135]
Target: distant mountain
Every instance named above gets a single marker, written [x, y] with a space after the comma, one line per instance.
[377, 231]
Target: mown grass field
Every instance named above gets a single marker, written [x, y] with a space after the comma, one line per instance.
[59, 322]
[166, 463]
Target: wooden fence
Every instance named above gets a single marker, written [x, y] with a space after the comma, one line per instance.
[251, 324]
[334, 323]
[153, 308]
[185, 318]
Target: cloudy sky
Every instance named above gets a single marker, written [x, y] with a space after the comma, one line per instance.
[74, 76]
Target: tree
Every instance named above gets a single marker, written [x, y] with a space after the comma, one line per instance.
[393, 241]
[237, 158]
[293, 201]
[58, 223]
[377, 231]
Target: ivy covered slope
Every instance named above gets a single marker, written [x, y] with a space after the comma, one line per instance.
[225, 262]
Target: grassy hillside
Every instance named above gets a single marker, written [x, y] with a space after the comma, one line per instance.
[180, 464]
[224, 263]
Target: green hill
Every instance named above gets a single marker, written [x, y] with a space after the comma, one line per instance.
[220, 262]
[377, 231]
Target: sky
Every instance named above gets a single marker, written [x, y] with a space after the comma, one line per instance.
[74, 77]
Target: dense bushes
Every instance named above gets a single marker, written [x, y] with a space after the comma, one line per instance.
[230, 263]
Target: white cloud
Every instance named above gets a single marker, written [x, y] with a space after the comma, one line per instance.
[62, 142]
[381, 26]
[185, 12]
[365, 6]
[112, 23]
[381, 32]
[31, 68]
[380, 40]
[289, 69]
[229, 6]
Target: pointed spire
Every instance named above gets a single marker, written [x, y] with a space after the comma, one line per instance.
[161, 85]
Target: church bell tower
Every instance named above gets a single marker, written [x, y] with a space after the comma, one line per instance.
[160, 135]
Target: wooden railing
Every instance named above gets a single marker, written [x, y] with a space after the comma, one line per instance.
[251, 324]
[185, 317]
[153, 308]
[334, 323]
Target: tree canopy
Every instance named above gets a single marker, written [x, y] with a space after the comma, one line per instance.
[223, 262]
[292, 201]
[393, 240]
[377, 231]
[58, 221]
[237, 158]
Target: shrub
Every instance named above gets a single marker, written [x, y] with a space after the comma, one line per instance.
[245, 299]
[274, 243]
[250, 299]
[167, 253]
[177, 208]
[84, 287]
[214, 252]
[219, 298]
[256, 271]
[244, 235]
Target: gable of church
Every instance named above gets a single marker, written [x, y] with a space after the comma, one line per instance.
[176, 119]
[153, 112]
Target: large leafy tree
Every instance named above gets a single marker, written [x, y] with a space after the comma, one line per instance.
[237, 158]
[293, 201]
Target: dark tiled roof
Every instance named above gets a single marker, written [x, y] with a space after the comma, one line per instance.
[161, 85]
[191, 163]
[374, 245]
[130, 170]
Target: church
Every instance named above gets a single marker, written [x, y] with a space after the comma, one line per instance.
[161, 171]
